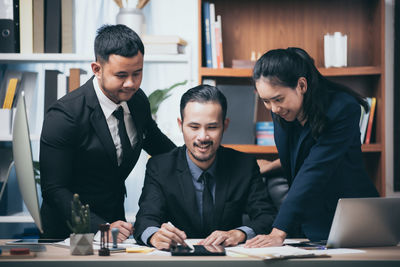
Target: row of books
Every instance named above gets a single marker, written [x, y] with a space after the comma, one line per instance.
[37, 26]
[367, 121]
[265, 133]
[57, 84]
[243, 119]
[212, 37]
[11, 86]
[14, 82]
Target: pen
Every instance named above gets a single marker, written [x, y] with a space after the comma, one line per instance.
[184, 243]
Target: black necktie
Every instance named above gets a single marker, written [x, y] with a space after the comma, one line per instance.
[125, 142]
[208, 204]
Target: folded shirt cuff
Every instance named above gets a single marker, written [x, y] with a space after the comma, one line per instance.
[148, 233]
[248, 231]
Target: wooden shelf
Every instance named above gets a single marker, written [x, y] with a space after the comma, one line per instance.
[351, 71]
[21, 217]
[328, 72]
[8, 137]
[256, 149]
[253, 149]
[371, 148]
[257, 26]
[225, 72]
[6, 58]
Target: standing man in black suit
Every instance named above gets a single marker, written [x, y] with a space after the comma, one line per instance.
[202, 190]
[92, 137]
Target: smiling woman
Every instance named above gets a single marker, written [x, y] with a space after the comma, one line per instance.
[318, 141]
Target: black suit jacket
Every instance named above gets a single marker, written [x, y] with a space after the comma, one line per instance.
[77, 155]
[169, 195]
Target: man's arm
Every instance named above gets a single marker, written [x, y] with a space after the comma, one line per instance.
[151, 205]
[57, 151]
[260, 207]
[155, 141]
[267, 166]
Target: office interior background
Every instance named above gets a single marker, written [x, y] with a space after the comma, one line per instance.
[180, 17]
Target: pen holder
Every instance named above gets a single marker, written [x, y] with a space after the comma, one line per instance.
[81, 244]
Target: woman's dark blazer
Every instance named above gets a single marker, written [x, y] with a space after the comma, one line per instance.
[324, 170]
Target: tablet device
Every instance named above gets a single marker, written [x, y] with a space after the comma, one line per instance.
[199, 250]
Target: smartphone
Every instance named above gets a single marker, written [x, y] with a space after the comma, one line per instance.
[199, 250]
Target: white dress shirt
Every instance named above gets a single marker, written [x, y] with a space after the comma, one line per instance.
[108, 108]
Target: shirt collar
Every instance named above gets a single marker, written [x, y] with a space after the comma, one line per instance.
[196, 171]
[107, 105]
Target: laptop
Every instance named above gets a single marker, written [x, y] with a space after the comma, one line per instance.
[365, 222]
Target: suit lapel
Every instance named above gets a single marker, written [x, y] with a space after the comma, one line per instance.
[99, 122]
[187, 190]
[221, 186]
[282, 143]
[304, 133]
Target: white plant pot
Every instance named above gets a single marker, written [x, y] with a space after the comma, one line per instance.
[81, 244]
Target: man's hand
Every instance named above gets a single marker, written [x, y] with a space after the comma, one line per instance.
[125, 230]
[274, 239]
[167, 237]
[225, 238]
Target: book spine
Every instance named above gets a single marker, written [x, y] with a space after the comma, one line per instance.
[26, 28]
[7, 36]
[50, 88]
[364, 121]
[52, 26]
[38, 26]
[74, 79]
[371, 121]
[213, 39]
[12, 86]
[207, 34]
[220, 56]
[16, 26]
[67, 23]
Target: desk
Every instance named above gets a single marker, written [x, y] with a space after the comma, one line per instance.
[60, 257]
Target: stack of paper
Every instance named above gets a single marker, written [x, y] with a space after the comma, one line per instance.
[163, 44]
[267, 253]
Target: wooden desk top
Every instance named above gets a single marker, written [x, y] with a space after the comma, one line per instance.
[59, 257]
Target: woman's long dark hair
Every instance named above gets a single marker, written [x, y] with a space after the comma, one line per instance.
[284, 67]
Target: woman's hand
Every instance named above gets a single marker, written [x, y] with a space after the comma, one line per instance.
[274, 239]
[266, 165]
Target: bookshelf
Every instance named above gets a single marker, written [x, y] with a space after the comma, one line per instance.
[55, 57]
[262, 25]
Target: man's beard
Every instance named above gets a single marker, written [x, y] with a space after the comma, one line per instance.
[203, 159]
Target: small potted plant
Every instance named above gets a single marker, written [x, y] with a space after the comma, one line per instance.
[81, 239]
[159, 95]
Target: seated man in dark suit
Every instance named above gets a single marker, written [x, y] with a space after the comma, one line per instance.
[202, 190]
[92, 137]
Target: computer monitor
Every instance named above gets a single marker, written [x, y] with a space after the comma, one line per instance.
[23, 162]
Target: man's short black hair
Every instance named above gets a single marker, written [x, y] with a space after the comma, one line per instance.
[116, 39]
[204, 93]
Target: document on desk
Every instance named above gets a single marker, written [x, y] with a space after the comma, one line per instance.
[129, 243]
[273, 253]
